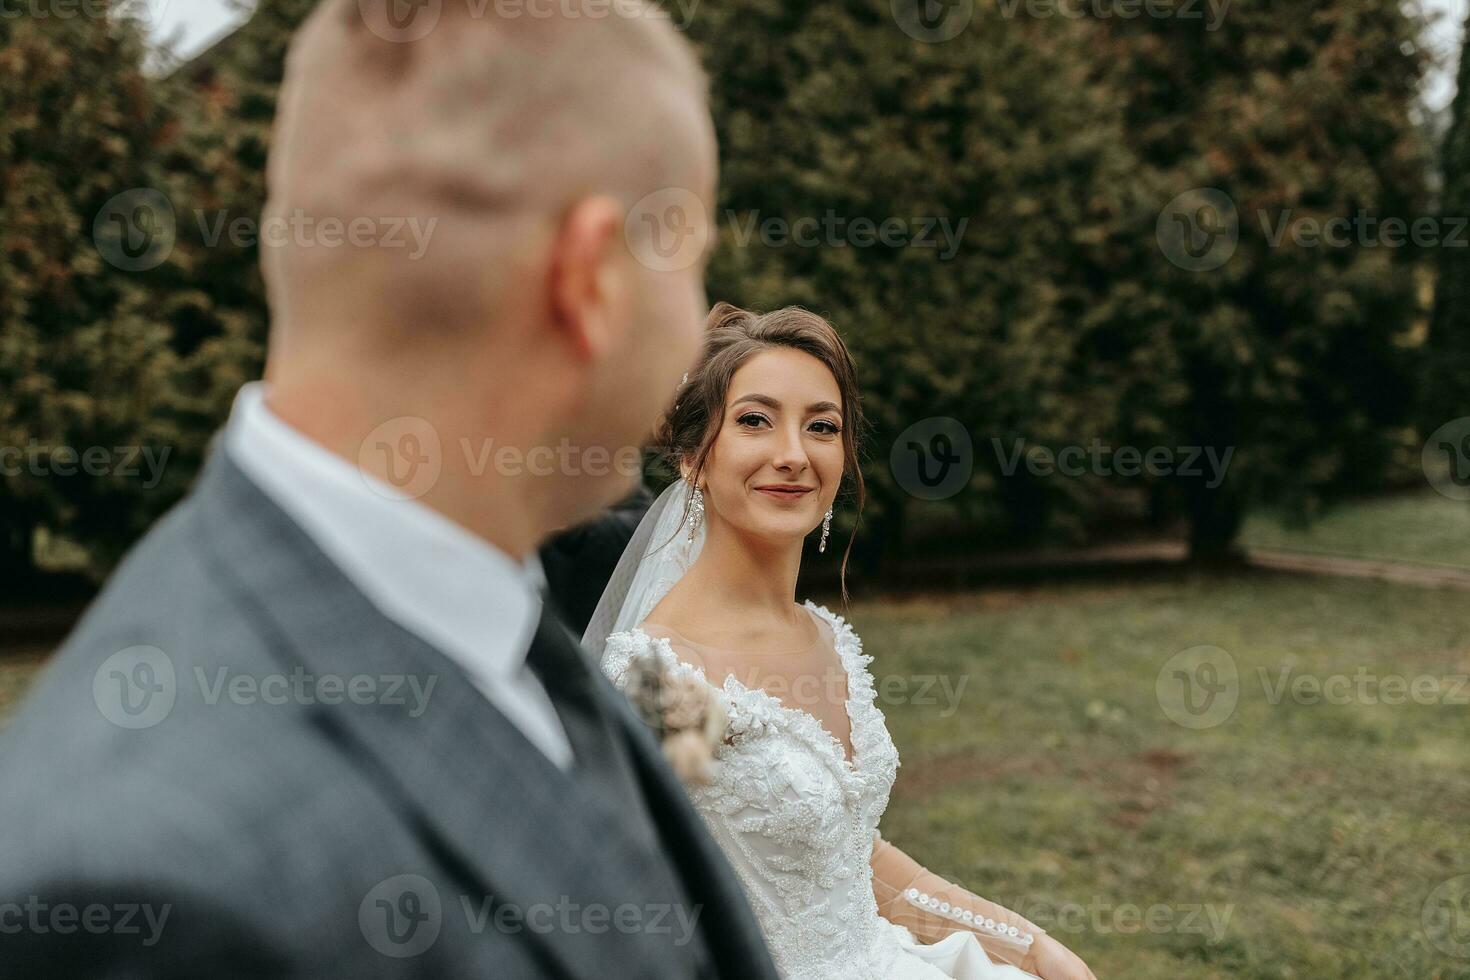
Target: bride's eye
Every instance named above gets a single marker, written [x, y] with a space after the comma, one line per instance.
[752, 419]
[826, 428]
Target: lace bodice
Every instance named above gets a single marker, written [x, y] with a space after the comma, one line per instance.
[794, 816]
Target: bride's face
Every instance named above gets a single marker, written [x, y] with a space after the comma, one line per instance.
[775, 467]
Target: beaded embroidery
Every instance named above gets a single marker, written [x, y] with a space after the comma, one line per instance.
[794, 815]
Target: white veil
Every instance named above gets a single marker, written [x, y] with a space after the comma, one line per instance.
[658, 555]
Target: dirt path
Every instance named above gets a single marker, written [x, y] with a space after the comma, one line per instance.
[1163, 555]
[1432, 576]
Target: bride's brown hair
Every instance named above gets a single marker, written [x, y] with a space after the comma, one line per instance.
[732, 337]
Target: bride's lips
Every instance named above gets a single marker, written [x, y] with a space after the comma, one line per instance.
[786, 492]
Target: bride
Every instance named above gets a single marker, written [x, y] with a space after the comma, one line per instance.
[764, 433]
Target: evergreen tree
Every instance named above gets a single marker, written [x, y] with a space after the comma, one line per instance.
[88, 362]
[992, 138]
[1448, 393]
[1025, 285]
[1300, 357]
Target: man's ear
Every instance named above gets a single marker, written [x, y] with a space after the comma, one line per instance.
[589, 291]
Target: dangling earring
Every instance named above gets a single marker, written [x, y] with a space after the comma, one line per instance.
[826, 530]
[696, 512]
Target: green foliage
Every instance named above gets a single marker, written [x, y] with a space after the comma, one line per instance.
[1060, 320]
[1448, 395]
[1035, 153]
[1300, 357]
[139, 363]
[999, 134]
[85, 359]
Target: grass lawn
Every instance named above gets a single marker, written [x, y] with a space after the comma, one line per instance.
[1059, 786]
[1422, 526]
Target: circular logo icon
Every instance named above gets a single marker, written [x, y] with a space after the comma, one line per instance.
[1446, 917]
[933, 458]
[668, 229]
[1199, 229]
[136, 687]
[932, 21]
[401, 21]
[401, 458]
[136, 230]
[1199, 687]
[401, 916]
[1446, 459]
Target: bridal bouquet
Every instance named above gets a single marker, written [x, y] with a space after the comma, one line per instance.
[683, 714]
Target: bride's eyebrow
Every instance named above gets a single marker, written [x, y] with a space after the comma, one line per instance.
[774, 404]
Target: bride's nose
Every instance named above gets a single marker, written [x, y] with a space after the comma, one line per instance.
[791, 454]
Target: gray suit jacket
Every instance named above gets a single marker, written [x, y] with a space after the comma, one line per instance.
[188, 792]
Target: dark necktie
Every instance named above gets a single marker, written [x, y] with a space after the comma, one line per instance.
[601, 754]
[600, 747]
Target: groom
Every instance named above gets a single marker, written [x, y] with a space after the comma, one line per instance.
[321, 722]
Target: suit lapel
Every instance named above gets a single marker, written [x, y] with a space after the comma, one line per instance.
[515, 824]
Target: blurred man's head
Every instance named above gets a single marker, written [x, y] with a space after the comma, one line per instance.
[499, 267]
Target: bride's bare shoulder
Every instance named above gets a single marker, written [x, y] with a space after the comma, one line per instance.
[672, 614]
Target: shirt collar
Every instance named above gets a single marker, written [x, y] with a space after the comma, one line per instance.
[452, 588]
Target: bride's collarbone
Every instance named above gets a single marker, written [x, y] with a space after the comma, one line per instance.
[732, 631]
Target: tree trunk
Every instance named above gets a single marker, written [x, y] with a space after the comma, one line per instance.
[891, 547]
[1215, 517]
[17, 559]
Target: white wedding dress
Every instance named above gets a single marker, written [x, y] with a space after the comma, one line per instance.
[797, 821]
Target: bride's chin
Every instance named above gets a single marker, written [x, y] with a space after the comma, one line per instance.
[780, 535]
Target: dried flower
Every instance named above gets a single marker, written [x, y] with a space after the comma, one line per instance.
[683, 714]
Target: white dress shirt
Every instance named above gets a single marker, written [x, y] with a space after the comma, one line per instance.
[453, 589]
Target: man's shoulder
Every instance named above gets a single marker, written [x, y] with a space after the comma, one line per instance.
[163, 582]
[140, 713]
[155, 751]
[165, 597]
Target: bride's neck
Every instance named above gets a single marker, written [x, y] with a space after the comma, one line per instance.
[753, 579]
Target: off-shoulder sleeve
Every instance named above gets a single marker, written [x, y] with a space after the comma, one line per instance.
[621, 650]
[749, 712]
